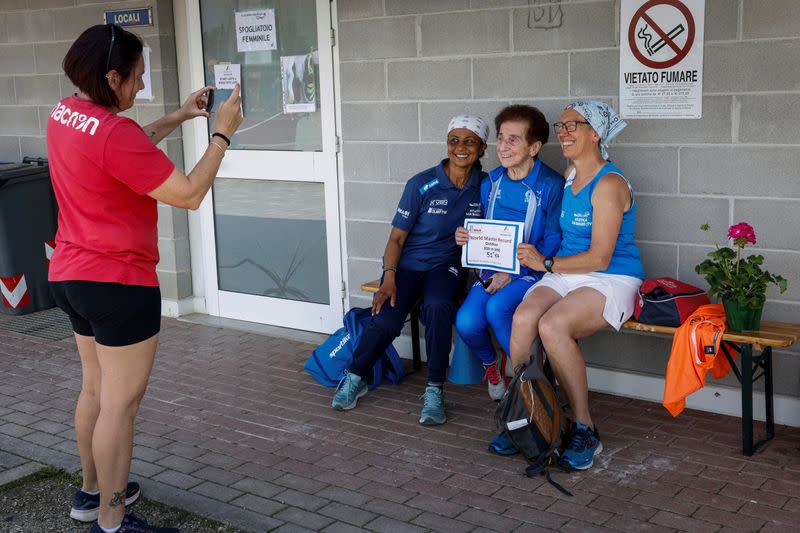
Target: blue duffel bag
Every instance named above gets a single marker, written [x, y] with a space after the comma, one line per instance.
[329, 361]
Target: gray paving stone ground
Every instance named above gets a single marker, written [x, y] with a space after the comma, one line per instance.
[232, 428]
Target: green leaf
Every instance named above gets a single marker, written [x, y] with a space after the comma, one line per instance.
[782, 284]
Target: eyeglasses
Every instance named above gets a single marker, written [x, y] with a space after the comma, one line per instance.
[570, 125]
[512, 140]
[469, 142]
[110, 47]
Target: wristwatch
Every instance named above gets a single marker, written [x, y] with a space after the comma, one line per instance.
[548, 264]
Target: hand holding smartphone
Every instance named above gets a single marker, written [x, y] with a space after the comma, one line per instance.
[210, 102]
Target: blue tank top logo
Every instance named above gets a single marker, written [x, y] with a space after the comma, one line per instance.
[582, 219]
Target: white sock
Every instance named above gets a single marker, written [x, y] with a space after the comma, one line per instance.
[92, 492]
[112, 530]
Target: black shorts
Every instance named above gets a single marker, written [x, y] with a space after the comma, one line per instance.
[112, 313]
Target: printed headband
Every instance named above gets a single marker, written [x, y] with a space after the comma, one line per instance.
[602, 118]
[473, 123]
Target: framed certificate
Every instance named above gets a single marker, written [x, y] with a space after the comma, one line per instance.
[492, 244]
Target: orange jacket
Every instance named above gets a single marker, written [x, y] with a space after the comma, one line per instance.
[694, 352]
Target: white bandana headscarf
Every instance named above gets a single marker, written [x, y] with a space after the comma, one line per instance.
[473, 123]
[602, 118]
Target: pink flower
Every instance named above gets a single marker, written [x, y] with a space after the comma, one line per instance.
[742, 233]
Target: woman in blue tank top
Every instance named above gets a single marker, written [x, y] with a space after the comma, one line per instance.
[592, 280]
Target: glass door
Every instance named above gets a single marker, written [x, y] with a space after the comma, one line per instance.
[271, 229]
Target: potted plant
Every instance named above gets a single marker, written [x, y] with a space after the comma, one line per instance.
[738, 281]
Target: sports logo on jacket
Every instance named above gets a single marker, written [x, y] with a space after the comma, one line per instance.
[437, 206]
[428, 185]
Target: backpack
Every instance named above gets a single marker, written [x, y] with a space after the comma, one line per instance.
[667, 302]
[530, 416]
[331, 358]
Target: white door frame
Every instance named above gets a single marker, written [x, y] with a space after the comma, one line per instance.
[201, 228]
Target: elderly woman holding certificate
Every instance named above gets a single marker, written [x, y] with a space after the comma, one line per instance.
[524, 190]
[591, 282]
[421, 260]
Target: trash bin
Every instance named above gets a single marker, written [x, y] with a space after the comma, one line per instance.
[28, 215]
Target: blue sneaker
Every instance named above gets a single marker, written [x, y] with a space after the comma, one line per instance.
[432, 407]
[350, 389]
[584, 444]
[85, 506]
[502, 445]
[132, 523]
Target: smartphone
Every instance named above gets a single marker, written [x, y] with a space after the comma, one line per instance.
[484, 282]
[210, 103]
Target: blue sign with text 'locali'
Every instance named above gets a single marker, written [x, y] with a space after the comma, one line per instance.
[142, 16]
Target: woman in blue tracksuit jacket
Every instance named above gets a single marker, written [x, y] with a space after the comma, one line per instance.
[522, 189]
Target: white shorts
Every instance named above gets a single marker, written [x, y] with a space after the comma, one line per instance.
[620, 291]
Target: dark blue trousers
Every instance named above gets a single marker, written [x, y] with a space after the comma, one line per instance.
[439, 289]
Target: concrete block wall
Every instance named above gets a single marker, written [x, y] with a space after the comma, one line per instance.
[408, 66]
[34, 36]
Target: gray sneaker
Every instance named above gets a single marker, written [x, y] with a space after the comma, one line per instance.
[495, 383]
[432, 407]
[350, 389]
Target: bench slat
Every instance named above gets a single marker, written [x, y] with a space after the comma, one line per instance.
[766, 336]
[774, 334]
[371, 286]
[792, 330]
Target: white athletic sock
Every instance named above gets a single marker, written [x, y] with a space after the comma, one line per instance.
[112, 530]
[92, 492]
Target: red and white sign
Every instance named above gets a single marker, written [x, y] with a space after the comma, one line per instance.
[49, 248]
[15, 291]
[661, 58]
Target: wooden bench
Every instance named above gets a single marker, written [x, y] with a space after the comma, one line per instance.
[771, 335]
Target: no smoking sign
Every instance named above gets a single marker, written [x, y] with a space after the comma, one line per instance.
[661, 33]
[661, 58]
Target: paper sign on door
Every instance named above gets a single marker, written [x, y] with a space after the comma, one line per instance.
[255, 31]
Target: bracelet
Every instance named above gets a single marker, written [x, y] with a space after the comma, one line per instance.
[390, 269]
[221, 136]
[218, 147]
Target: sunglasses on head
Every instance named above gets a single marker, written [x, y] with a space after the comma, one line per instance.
[110, 47]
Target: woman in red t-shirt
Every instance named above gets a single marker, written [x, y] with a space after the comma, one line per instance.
[108, 175]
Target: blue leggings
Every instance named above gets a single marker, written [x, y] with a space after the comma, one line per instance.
[481, 310]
